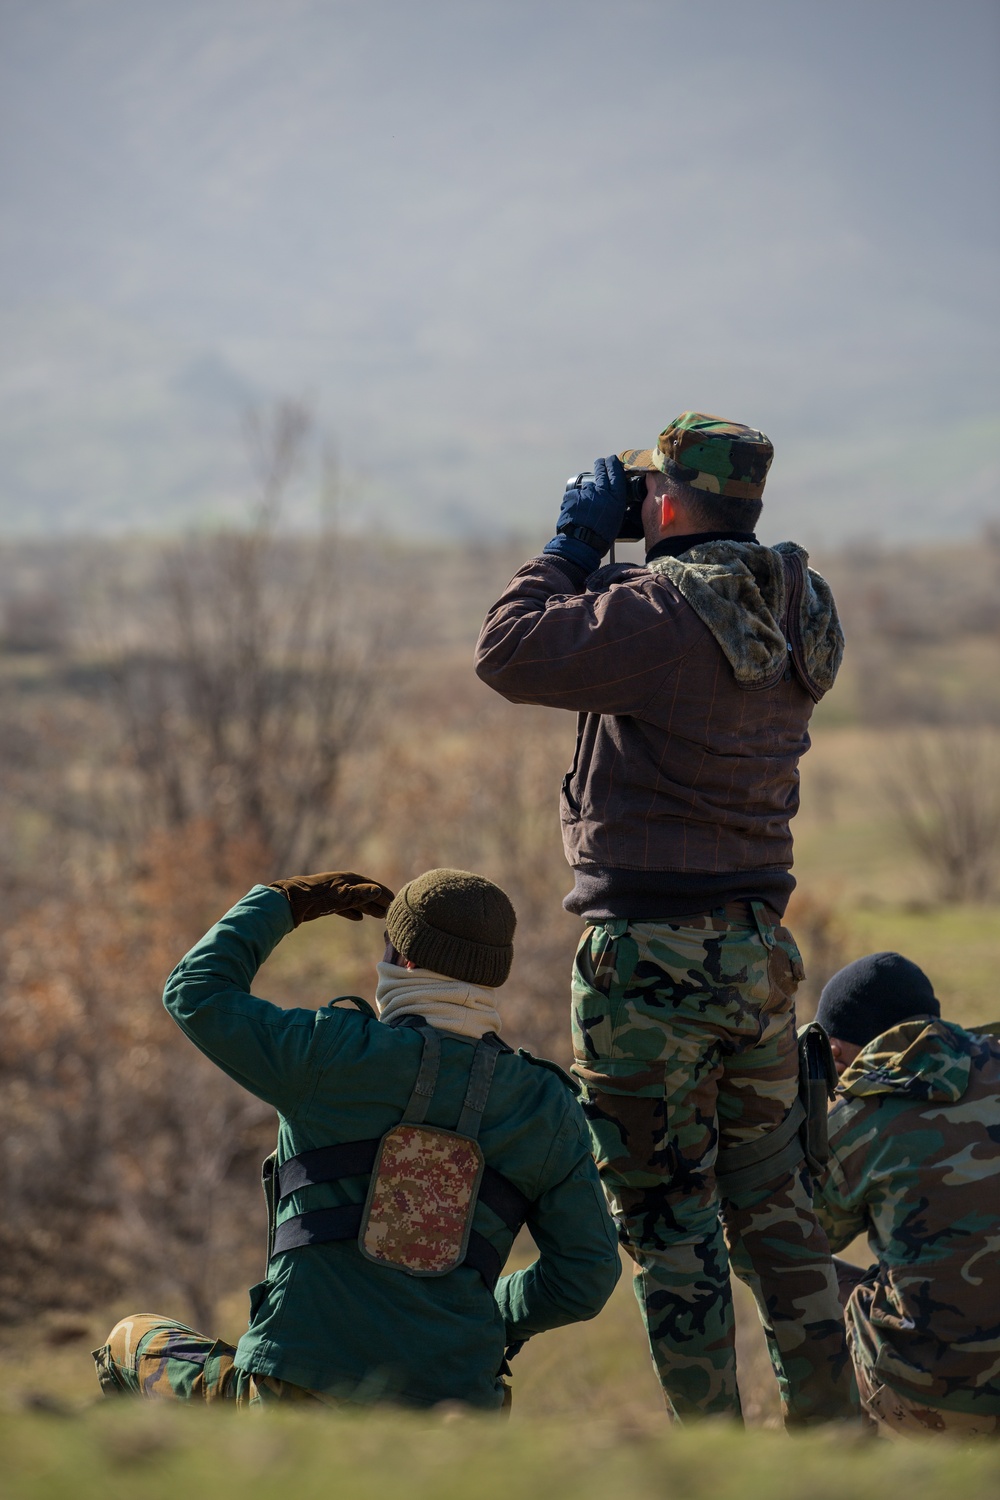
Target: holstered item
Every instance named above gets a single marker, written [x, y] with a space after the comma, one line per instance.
[817, 1086]
[803, 1133]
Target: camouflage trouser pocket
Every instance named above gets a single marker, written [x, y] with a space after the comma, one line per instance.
[629, 1131]
[785, 969]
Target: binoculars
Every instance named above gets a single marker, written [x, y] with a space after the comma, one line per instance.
[631, 527]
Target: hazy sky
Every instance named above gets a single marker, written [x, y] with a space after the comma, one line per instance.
[493, 238]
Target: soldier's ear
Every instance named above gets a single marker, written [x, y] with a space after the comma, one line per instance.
[667, 513]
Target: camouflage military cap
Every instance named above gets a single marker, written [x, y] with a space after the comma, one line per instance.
[709, 453]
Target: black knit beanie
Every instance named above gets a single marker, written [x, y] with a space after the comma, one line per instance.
[872, 995]
[455, 923]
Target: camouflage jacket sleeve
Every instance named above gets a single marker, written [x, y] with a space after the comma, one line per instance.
[605, 650]
[275, 1053]
[839, 1206]
[578, 1262]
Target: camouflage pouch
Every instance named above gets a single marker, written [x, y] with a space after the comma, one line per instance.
[424, 1187]
[421, 1200]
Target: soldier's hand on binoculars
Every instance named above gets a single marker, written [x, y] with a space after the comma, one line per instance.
[590, 517]
[334, 893]
[600, 505]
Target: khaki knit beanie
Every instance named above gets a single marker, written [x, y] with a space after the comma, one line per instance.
[455, 923]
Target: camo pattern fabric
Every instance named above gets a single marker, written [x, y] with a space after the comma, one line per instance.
[901, 1416]
[157, 1357]
[709, 453]
[684, 1037]
[915, 1165]
[422, 1198]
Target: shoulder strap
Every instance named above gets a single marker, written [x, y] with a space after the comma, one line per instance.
[817, 1087]
[268, 1179]
[427, 1077]
[484, 1061]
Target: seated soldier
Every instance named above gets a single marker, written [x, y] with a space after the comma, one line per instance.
[915, 1164]
[412, 1145]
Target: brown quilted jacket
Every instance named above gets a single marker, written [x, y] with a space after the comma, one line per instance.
[689, 732]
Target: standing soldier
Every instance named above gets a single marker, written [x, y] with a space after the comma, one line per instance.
[412, 1145]
[694, 678]
[915, 1165]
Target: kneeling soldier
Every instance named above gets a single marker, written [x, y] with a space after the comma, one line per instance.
[412, 1146]
[915, 1164]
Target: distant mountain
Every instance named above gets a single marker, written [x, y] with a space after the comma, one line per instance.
[105, 425]
[491, 241]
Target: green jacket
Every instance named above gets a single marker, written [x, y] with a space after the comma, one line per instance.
[915, 1163]
[325, 1317]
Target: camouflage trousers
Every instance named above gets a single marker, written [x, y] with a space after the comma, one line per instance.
[684, 1037]
[147, 1355]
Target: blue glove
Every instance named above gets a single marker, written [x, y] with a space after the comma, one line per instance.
[591, 517]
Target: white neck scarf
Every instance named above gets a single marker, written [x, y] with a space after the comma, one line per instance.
[449, 1004]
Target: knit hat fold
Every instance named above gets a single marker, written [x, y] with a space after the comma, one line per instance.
[454, 923]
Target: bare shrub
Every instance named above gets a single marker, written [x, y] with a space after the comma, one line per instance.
[118, 1142]
[245, 672]
[945, 791]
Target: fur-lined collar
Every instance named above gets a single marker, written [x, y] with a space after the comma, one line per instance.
[739, 591]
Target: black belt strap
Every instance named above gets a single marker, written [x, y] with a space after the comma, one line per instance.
[324, 1225]
[327, 1164]
[356, 1158]
[743, 1169]
[506, 1201]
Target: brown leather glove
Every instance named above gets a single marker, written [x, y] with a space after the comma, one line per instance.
[339, 892]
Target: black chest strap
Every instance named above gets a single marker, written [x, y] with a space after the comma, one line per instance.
[357, 1159]
[323, 1225]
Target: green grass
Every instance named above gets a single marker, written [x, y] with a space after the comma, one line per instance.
[126, 1450]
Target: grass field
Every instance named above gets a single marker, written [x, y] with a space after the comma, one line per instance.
[587, 1422]
[587, 1419]
[114, 1454]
